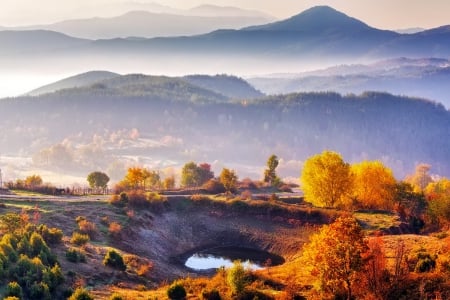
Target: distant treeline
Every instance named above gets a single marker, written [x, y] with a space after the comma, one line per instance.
[400, 131]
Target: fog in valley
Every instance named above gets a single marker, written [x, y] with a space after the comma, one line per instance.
[70, 106]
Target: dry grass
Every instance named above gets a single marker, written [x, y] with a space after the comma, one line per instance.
[377, 221]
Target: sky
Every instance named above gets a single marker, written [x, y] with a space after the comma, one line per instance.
[384, 14]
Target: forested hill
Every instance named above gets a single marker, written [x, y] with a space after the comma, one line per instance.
[194, 87]
[242, 133]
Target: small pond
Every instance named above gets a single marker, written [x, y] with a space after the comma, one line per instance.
[224, 256]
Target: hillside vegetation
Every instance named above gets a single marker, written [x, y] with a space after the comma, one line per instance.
[170, 118]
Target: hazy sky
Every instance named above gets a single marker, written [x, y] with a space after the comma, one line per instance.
[386, 14]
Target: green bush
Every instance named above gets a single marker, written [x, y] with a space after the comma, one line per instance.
[237, 278]
[425, 263]
[79, 239]
[51, 236]
[40, 291]
[114, 259]
[53, 277]
[176, 292]
[13, 289]
[81, 294]
[75, 255]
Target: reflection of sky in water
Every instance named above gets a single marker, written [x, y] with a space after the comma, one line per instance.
[204, 262]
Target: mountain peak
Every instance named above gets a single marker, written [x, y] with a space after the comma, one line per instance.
[316, 19]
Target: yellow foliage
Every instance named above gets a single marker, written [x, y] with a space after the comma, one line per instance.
[373, 185]
[326, 180]
[438, 188]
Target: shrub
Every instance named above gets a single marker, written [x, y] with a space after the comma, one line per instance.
[79, 239]
[40, 291]
[13, 289]
[75, 256]
[213, 186]
[425, 263]
[114, 229]
[37, 243]
[119, 200]
[176, 292]
[81, 294]
[87, 227]
[237, 278]
[114, 259]
[136, 198]
[51, 236]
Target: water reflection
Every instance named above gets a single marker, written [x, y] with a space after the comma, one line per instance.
[224, 257]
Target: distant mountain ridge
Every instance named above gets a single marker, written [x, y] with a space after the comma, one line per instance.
[422, 77]
[148, 24]
[318, 36]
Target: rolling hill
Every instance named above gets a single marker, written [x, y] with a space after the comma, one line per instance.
[79, 80]
[167, 121]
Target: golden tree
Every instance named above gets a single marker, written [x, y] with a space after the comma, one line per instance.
[334, 257]
[229, 179]
[373, 185]
[438, 199]
[326, 179]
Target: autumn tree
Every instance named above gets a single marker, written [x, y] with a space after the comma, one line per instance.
[421, 177]
[141, 178]
[326, 179]
[98, 179]
[376, 275]
[33, 181]
[438, 200]
[135, 177]
[152, 179]
[270, 175]
[169, 182]
[229, 179]
[334, 256]
[373, 185]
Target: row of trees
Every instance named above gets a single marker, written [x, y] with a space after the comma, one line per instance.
[328, 181]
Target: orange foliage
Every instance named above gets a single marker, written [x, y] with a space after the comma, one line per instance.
[373, 185]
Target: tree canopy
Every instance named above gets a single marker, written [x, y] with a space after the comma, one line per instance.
[326, 179]
[373, 185]
[193, 175]
[98, 179]
[270, 175]
[334, 256]
[229, 179]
